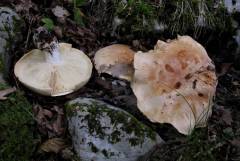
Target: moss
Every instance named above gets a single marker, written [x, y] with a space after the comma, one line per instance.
[140, 18]
[199, 146]
[199, 149]
[139, 15]
[197, 16]
[70, 109]
[93, 147]
[16, 126]
[130, 125]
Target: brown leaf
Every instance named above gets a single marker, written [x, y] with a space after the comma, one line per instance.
[6, 92]
[60, 12]
[53, 145]
[25, 6]
[227, 116]
[235, 142]
[57, 126]
[50, 121]
[58, 31]
[224, 69]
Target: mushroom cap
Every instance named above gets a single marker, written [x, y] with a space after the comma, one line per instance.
[175, 83]
[54, 79]
[115, 60]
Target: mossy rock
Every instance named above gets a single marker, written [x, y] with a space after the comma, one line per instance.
[16, 128]
[11, 27]
[102, 132]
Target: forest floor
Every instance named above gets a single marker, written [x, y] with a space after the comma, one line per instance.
[219, 141]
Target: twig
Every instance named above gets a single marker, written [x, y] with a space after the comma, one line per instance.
[210, 150]
[28, 34]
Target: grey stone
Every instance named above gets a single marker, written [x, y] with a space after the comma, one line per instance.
[101, 132]
[11, 26]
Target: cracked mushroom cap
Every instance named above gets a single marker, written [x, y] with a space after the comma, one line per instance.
[115, 60]
[175, 83]
[64, 71]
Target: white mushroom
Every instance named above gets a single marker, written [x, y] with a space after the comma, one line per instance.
[175, 83]
[61, 72]
[115, 60]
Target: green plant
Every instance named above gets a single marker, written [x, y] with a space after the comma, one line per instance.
[139, 15]
[199, 148]
[78, 14]
[197, 16]
[194, 17]
[48, 23]
[79, 3]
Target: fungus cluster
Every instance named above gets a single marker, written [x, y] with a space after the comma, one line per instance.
[174, 83]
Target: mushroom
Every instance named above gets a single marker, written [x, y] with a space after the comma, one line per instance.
[115, 60]
[175, 83]
[58, 73]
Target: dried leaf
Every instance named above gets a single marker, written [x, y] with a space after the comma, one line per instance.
[235, 142]
[50, 121]
[224, 69]
[25, 6]
[60, 12]
[53, 145]
[227, 116]
[6, 92]
[57, 126]
[236, 83]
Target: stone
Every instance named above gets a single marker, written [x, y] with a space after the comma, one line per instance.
[1, 73]
[102, 132]
[11, 26]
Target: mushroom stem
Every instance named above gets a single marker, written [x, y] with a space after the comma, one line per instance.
[53, 56]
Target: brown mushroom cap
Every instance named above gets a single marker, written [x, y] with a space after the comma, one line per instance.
[39, 73]
[175, 83]
[115, 60]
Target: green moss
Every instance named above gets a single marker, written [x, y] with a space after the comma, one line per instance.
[194, 17]
[139, 15]
[187, 15]
[130, 125]
[70, 109]
[16, 126]
[199, 149]
[93, 147]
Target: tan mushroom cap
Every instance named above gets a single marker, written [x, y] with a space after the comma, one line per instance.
[175, 83]
[54, 79]
[116, 60]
